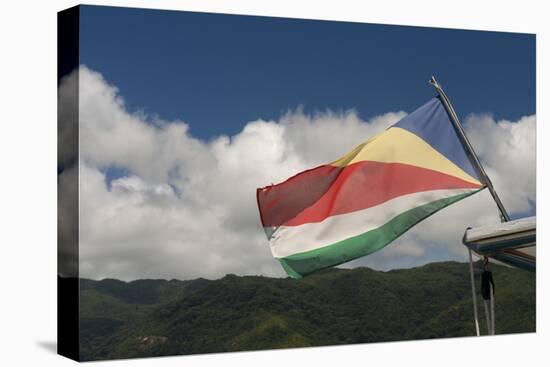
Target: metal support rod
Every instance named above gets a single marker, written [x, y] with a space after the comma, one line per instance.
[492, 309]
[504, 217]
[487, 317]
[473, 292]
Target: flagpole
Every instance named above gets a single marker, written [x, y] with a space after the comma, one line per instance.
[504, 217]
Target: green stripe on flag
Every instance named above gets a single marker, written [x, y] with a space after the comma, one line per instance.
[304, 263]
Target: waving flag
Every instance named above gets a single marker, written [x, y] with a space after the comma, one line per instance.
[361, 202]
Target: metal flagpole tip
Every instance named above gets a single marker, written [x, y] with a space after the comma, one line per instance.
[433, 81]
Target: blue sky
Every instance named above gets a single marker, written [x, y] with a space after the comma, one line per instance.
[178, 203]
[218, 72]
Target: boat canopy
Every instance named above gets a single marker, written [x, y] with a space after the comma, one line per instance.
[512, 243]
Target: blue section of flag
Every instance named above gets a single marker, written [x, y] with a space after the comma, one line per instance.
[432, 123]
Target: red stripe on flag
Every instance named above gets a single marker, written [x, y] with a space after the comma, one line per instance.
[323, 192]
[282, 202]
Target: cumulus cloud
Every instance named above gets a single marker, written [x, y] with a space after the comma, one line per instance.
[507, 149]
[67, 184]
[187, 207]
[507, 152]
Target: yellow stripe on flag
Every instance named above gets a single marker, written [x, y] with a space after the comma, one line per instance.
[397, 145]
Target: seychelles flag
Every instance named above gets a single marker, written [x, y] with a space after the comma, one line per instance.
[358, 204]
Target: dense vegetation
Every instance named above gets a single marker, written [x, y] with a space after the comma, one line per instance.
[160, 317]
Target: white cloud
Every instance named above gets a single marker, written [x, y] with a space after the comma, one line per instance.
[507, 151]
[188, 207]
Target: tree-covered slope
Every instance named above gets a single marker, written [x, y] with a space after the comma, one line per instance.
[159, 317]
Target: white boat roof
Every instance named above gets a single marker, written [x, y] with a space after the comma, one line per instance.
[514, 227]
[512, 243]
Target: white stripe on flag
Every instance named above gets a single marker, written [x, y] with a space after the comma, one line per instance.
[287, 241]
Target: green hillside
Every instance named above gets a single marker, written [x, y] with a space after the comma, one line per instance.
[159, 317]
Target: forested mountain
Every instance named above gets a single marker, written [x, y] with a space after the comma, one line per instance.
[160, 317]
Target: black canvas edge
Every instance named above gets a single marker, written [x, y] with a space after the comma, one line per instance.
[68, 55]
